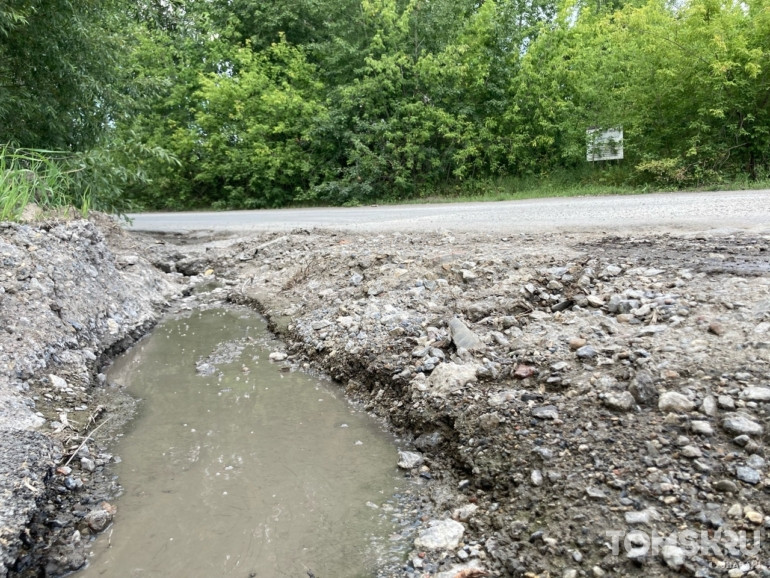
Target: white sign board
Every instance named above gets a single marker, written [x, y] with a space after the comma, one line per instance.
[604, 145]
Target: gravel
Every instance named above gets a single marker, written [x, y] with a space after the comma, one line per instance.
[562, 385]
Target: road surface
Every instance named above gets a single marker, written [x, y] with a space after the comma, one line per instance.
[726, 210]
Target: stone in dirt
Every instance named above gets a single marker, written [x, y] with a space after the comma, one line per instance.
[409, 460]
[643, 389]
[545, 412]
[645, 516]
[586, 352]
[756, 394]
[672, 401]
[740, 424]
[673, 556]
[277, 356]
[524, 371]
[440, 535]
[472, 569]
[98, 519]
[622, 401]
[701, 427]
[748, 475]
[463, 337]
[464, 513]
[449, 377]
[58, 382]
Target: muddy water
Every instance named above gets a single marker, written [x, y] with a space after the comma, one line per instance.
[236, 468]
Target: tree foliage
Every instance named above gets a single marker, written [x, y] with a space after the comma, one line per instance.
[239, 103]
[59, 71]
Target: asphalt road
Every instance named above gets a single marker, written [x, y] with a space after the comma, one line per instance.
[724, 210]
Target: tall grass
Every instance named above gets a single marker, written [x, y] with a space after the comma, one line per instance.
[39, 177]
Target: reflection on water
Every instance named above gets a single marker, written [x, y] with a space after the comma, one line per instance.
[245, 471]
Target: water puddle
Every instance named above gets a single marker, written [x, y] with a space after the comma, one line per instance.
[237, 468]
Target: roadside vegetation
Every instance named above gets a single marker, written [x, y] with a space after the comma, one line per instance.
[245, 104]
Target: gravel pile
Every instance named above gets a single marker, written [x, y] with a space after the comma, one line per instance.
[72, 294]
[569, 397]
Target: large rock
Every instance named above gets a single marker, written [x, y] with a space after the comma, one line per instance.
[409, 460]
[440, 535]
[756, 394]
[619, 401]
[739, 424]
[671, 401]
[643, 389]
[449, 377]
[463, 337]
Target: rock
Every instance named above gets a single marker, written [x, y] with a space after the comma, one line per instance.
[643, 389]
[428, 441]
[464, 513]
[545, 412]
[559, 366]
[741, 440]
[440, 535]
[622, 401]
[463, 337]
[735, 511]
[489, 421]
[646, 516]
[586, 352]
[671, 401]
[726, 487]
[726, 402]
[691, 452]
[356, 279]
[524, 371]
[98, 519]
[87, 464]
[449, 377]
[716, 328]
[277, 356]
[576, 343]
[595, 493]
[537, 478]
[409, 460]
[739, 424]
[709, 406]
[754, 517]
[673, 556]
[58, 382]
[595, 301]
[756, 394]
[701, 427]
[472, 569]
[748, 475]
[756, 461]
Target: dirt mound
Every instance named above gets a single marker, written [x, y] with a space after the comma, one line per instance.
[71, 294]
[572, 395]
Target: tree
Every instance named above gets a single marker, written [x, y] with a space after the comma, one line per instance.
[58, 65]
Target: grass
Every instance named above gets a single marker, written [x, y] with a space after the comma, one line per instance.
[36, 177]
[562, 184]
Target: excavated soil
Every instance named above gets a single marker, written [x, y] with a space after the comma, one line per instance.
[559, 391]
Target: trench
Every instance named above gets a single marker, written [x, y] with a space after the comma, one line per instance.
[238, 466]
